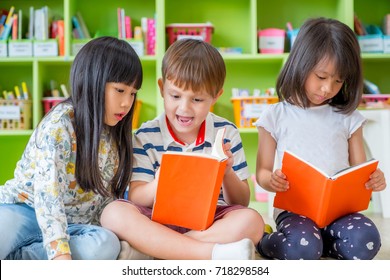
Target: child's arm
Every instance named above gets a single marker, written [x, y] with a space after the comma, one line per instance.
[267, 179]
[357, 155]
[143, 193]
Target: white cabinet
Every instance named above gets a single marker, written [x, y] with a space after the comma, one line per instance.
[377, 136]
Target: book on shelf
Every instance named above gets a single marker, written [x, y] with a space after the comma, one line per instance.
[77, 31]
[322, 197]
[188, 187]
[83, 26]
[8, 24]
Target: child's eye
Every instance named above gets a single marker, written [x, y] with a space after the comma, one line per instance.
[321, 77]
[198, 100]
[120, 90]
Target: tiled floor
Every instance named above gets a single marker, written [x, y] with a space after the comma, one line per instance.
[383, 225]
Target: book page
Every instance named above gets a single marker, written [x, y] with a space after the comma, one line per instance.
[352, 168]
[218, 150]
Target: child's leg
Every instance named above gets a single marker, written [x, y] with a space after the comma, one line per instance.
[352, 237]
[149, 237]
[20, 234]
[90, 242]
[297, 237]
[238, 223]
[157, 240]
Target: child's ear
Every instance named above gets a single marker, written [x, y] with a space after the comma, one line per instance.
[218, 95]
[161, 86]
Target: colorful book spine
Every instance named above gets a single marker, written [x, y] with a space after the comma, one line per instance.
[128, 27]
[151, 36]
[20, 24]
[61, 37]
[15, 27]
[8, 24]
[83, 26]
[77, 27]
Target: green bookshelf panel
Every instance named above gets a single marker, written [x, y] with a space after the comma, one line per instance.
[14, 72]
[377, 11]
[376, 70]
[101, 17]
[231, 20]
[11, 150]
[259, 72]
[148, 94]
[277, 13]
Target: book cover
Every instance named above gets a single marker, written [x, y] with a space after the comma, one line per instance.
[188, 187]
[321, 197]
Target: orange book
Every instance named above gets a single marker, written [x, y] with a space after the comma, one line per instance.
[188, 187]
[321, 197]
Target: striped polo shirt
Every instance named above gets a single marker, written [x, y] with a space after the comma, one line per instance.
[154, 138]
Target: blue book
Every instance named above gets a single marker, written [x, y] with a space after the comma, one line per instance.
[7, 29]
[77, 25]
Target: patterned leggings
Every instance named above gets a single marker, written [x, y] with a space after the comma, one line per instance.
[351, 237]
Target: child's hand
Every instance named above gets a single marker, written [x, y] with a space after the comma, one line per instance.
[377, 181]
[278, 181]
[229, 154]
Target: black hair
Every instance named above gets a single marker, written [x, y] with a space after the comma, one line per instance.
[100, 61]
[321, 38]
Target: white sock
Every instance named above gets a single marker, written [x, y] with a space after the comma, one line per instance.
[240, 250]
[129, 253]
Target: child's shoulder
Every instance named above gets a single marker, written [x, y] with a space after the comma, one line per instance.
[63, 112]
[219, 121]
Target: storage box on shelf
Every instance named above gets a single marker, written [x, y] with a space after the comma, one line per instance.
[247, 109]
[15, 114]
[177, 31]
[271, 40]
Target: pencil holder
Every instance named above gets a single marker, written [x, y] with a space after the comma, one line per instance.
[271, 40]
[15, 114]
[50, 102]
[248, 109]
[177, 31]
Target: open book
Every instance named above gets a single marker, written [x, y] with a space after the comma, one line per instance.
[321, 197]
[188, 187]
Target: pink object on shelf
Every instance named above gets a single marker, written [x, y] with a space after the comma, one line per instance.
[271, 40]
[50, 102]
[178, 31]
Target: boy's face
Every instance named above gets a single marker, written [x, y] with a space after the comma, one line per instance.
[186, 110]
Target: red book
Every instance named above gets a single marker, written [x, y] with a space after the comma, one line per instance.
[61, 38]
[321, 197]
[188, 187]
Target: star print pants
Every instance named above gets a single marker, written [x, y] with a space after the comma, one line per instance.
[351, 237]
